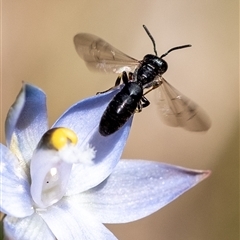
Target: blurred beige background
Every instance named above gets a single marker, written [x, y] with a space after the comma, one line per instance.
[37, 47]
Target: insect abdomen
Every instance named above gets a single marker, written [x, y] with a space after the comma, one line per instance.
[120, 109]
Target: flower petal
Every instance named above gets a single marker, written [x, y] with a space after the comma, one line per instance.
[28, 228]
[83, 118]
[137, 189]
[66, 222]
[26, 121]
[108, 153]
[15, 199]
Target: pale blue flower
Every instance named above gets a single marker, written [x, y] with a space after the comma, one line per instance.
[67, 191]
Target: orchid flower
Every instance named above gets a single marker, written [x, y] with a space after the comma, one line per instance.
[67, 181]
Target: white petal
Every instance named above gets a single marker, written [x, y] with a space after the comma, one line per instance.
[83, 117]
[137, 189]
[26, 121]
[67, 222]
[15, 198]
[108, 153]
[29, 228]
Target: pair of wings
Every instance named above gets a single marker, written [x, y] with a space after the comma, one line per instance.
[175, 109]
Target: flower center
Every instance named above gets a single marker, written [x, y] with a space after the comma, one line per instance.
[51, 165]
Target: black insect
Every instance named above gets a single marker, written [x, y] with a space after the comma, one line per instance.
[144, 75]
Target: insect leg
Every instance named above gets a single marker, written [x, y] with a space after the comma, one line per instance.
[142, 104]
[139, 107]
[155, 84]
[145, 102]
[122, 77]
[125, 78]
[130, 76]
[117, 82]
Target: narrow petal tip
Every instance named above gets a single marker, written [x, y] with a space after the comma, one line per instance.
[204, 174]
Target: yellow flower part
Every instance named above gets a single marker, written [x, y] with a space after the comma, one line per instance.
[61, 137]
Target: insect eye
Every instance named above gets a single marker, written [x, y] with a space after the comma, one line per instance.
[163, 66]
[148, 58]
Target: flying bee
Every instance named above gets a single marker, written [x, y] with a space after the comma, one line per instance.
[143, 76]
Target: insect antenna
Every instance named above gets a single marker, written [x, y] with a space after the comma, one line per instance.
[175, 48]
[152, 39]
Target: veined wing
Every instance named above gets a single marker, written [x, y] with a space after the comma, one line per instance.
[179, 111]
[100, 55]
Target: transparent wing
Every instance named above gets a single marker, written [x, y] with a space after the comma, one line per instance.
[179, 111]
[101, 56]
